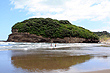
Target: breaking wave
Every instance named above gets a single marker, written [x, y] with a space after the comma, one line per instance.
[28, 46]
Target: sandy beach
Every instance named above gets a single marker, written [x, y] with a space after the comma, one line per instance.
[101, 71]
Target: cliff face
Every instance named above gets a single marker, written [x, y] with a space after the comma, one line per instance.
[27, 37]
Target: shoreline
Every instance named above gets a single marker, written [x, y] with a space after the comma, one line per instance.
[99, 71]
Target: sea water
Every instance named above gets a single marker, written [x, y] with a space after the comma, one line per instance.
[46, 58]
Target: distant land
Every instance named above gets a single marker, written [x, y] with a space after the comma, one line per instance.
[50, 30]
[103, 33]
[104, 36]
[2, 40]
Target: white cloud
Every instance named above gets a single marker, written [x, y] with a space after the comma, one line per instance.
[66, 9]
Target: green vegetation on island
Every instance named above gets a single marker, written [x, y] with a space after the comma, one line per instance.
[53, 28]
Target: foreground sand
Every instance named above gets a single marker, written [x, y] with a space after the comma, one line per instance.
[101, 71]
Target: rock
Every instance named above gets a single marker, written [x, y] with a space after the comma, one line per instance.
[27, 37]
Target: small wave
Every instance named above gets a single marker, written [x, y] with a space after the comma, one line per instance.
[28, 46]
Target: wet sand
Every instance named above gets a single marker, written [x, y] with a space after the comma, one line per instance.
[51, 61]
[38, 61]
[100, 71]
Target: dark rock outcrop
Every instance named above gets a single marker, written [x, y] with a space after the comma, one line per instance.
[27, 37]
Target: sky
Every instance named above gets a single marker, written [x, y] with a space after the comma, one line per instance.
[90, 14]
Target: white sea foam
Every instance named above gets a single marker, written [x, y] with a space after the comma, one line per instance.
[27, 46]
[72, 48]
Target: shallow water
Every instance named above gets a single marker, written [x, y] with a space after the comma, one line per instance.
[42, 58]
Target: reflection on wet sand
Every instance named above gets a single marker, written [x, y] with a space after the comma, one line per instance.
[34, 62]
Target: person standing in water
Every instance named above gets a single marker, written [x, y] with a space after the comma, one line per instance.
[51, 45]
[55, 45]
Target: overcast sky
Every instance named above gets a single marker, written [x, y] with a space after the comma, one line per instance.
[90, 14]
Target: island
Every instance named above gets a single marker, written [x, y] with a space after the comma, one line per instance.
[50, 31]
